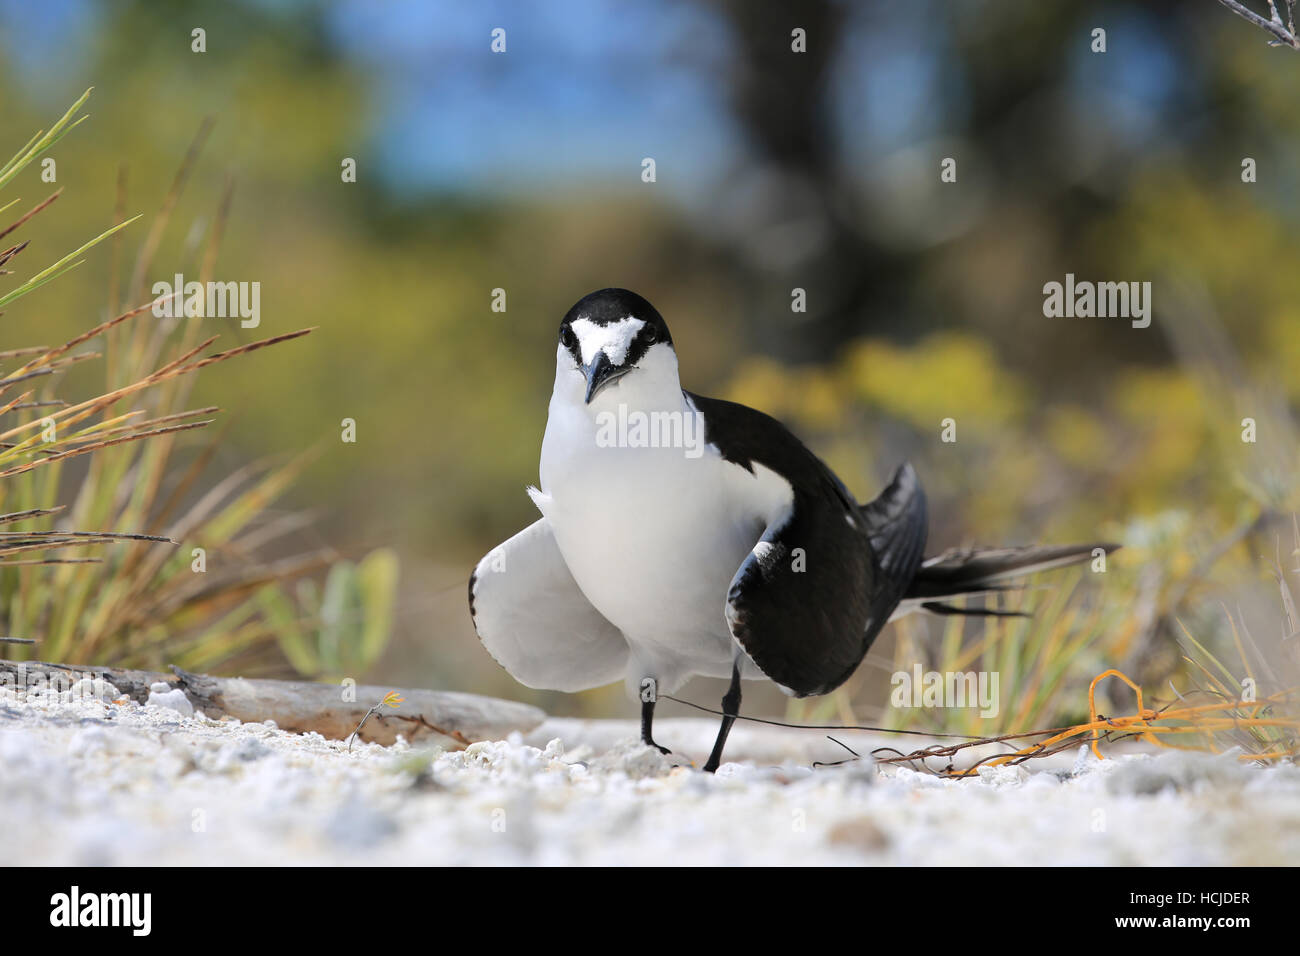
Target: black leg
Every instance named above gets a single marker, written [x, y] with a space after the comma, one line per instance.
[730, 708]
[649, 697]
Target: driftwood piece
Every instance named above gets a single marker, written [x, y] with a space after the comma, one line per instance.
[17, 675]
[330, 710]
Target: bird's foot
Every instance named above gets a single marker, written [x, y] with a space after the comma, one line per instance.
[663, 750]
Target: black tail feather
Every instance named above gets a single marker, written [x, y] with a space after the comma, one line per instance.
[974, 570]
[935, 607]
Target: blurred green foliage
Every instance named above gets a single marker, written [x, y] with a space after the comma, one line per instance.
[352, 617]
[147, 599]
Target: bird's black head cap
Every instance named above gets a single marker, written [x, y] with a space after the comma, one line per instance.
[613, 305]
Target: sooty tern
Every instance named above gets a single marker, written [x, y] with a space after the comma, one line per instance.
[682, 536]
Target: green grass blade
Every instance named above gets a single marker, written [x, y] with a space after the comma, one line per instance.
[40, 143]
[63, 265]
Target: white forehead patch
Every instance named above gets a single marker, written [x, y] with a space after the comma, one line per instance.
[614, 339]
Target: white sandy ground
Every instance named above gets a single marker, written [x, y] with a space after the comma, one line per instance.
[85, 781]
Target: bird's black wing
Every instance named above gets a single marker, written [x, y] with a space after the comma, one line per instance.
[897, 524]
[823, 578]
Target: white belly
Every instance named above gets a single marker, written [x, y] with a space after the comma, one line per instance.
[653, 538]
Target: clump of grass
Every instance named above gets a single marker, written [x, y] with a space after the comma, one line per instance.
[179, 580]
[1250, 707]
[1277, 714]
[1256, 699]
[1039, 659]
[1253, 711]
[1077, 625]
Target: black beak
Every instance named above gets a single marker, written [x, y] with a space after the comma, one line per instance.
[600, 373]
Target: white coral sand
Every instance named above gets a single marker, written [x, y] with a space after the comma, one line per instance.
[88, 781]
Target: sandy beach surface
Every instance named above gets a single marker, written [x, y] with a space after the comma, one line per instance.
[86, 780]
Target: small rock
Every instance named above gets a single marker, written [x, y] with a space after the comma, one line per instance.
[1003, 775]
[249, 750]
[91, 688]
[165, 695]
[359, 826]
[858, 833]
[1084, 761]
[1177, 771]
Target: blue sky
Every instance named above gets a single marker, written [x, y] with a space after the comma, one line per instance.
[589, 87]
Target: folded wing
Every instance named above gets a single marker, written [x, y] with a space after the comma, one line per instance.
[822, 582]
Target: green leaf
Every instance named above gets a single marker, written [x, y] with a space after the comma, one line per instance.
[282, 617]
[338, 611]
[377, 581]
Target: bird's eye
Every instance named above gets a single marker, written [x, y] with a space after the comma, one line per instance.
[567, 338]
[650, 335]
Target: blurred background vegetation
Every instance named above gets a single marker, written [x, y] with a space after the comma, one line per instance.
[775, 170]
